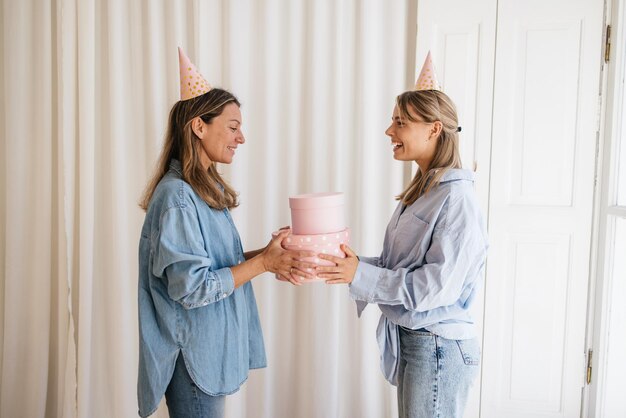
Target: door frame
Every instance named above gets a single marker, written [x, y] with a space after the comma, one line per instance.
[612, 99]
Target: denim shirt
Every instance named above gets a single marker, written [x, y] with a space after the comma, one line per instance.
[187, 300]
[430, 269]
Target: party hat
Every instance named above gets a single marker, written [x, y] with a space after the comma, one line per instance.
[192, 84]
[427, 79]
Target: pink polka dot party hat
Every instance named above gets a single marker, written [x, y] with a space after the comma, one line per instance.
[192, 84]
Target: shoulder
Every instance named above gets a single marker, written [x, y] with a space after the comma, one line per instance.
[172, 192]
[457, 185]
[461, 206]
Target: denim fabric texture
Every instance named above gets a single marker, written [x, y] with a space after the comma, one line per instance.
[435, 374]
[430, 269]
[185, 400]
[187, 301]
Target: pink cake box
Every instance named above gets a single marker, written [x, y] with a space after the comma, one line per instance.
[317, 213]
[318, 243]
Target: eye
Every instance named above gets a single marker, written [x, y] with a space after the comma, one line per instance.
[233, 129]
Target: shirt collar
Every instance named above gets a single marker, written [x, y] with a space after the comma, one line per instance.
[453, 174]
[176, 167]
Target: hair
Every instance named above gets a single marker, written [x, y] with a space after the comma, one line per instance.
[431, 106]
[182, 144]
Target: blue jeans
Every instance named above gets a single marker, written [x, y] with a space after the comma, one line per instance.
[185, 400]
[435, 374]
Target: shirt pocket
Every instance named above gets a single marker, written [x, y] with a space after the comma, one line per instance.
[412, 239]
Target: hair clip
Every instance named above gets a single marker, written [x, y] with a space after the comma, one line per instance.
[458, 129]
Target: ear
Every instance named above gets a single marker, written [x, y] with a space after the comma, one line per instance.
[435, 131]
[197, 126]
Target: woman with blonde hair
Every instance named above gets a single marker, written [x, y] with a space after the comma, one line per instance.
[431, 266]
[198, 322]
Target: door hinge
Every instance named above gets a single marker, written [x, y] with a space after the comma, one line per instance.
[589, 365]
[607, 44]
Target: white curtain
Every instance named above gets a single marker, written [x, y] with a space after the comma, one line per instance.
[86, 87]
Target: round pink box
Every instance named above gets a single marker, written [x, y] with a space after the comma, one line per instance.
[317, 213]
[318, 243]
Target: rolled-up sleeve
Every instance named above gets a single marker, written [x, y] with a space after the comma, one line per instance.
[438, 282]
[182, 261]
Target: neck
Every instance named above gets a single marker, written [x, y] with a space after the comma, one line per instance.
[423, 165]
[205, 160]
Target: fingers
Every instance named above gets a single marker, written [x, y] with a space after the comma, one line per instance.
[337, 281]
[281, 277]
[347, 250]
[330, 258]
[328, 269]
[304, 273]
[344, 269]
[292, 276]
[301, 254]
[284, 231]
[282, 234]
[331, 276]
[304, 265]
[295, 280]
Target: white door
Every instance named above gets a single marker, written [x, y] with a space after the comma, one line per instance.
[546, 87]
[527, 101]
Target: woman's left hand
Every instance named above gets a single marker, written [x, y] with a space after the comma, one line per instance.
[344, 269]
[287, 264]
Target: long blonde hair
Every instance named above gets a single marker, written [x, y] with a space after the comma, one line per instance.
[431, 106]
[182, 144]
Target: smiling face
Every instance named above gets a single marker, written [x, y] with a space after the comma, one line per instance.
[221, 137]
[413, 140]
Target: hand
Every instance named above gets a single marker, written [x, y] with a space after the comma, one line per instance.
[344, 269]
[293, 279]
[286, 264]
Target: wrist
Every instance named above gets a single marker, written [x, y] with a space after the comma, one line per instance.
[261, 260]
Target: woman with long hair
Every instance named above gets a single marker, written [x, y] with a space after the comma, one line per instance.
[431, 266]
[198, 322]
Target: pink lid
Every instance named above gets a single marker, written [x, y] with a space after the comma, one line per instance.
[316, 200]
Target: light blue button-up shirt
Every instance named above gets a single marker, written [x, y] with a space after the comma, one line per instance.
[430, 269]
[187, 299]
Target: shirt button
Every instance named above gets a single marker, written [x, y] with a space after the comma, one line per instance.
[224, 295]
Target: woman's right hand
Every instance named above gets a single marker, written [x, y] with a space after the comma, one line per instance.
[286, 264]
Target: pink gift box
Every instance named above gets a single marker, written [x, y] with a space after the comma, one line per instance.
[317, 213]
[318, 243]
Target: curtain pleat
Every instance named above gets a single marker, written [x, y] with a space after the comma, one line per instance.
[86, 88]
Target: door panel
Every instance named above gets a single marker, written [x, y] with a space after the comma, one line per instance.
[547, 72]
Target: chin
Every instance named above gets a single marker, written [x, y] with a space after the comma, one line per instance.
[224, 159]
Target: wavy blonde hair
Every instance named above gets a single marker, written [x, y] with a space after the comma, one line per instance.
[431, 106]
[182, 144]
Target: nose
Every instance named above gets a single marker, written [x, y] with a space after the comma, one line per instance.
[389, 130]
[241, 139]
